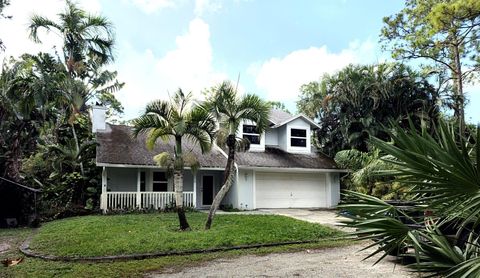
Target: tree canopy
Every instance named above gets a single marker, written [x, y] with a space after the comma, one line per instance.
[358, 101]
[443, 33]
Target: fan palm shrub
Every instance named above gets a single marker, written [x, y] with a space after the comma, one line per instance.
[362, 177]
[441, 171]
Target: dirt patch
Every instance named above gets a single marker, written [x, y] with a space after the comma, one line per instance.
[333, 262]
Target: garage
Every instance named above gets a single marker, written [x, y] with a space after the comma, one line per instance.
[290, 190]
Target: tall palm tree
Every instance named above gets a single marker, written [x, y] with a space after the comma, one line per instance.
[179, 118]
[84, 36]
[231, 110]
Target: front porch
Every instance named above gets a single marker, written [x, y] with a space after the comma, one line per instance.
[126, 188]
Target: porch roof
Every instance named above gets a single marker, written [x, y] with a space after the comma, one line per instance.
[118, 146]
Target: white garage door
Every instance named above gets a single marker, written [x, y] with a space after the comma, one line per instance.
[290, 190]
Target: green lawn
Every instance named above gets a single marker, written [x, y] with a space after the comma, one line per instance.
[154, 232]
[144, 233]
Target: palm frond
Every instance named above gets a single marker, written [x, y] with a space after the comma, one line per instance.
[253, 108]
[157, 115]
[440, 170]
[191, 161]
[163, 159]
[38, 22]
[379, 221]
[201, 127]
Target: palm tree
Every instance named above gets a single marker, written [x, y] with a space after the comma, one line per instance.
[230, 111]
[180, 118]
[84, 36]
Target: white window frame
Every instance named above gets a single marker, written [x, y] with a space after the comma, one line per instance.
[252, 134]
[159, 182]
[298, 137]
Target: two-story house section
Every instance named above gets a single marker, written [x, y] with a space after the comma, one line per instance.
[282, 169]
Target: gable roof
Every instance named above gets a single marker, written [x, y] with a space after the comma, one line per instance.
[280, 118]
[118, 146]
[277, 158]
[277, 116]
[310, 121]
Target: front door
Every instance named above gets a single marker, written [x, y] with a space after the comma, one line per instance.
[207, 190]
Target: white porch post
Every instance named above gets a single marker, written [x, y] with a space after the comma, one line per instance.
[195, 190]
[139, 196]
[103, 197]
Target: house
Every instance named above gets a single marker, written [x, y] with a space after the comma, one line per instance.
[281, 169]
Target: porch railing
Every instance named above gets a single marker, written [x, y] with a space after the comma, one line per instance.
[142, 200]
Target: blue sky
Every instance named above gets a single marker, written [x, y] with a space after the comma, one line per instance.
[274, 45]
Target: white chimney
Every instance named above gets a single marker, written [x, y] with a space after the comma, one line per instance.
[98, 118]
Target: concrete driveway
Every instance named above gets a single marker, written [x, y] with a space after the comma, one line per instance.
[321, 216]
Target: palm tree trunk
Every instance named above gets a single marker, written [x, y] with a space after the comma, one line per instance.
[178, 185]
[77, 146]
[227, 181]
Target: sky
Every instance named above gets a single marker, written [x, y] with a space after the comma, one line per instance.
[271, 46]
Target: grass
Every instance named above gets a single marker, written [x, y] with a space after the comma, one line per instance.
[256, 227]
[145, 233]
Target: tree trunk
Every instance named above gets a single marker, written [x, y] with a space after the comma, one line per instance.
[77, 146]
[178, 185]
[459, 97]
[13, 163]
[227, 181]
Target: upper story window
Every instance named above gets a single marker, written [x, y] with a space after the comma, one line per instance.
[298, 137]
[250, 132]
[160, 182]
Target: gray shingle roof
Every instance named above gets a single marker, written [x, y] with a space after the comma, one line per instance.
[278, 116]
[117, 146]
[274, 157]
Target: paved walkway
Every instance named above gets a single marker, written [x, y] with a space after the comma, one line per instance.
[321, 216]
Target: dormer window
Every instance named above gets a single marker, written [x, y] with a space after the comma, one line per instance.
[298, 137]
[250, 132]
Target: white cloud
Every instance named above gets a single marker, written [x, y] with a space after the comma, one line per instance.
[204, 6]
[281, 78]
[14, 31]
[152, 6]
[188, 66]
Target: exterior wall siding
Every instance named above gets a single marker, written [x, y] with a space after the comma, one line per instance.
[333, 189]
[245, 190]
[282, 137]
[271, 137]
